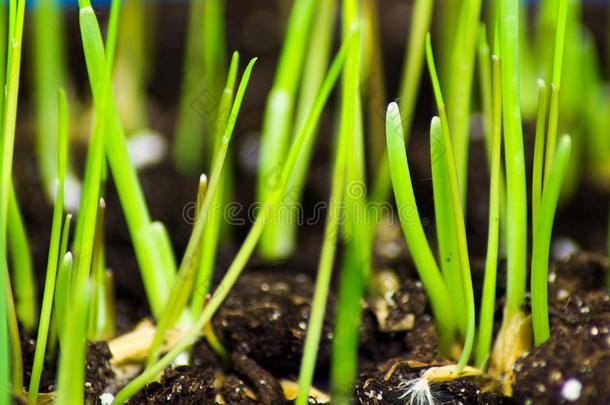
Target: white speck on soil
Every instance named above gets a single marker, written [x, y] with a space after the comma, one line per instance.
[552, 277]
[302, 325]
[106, 398]
[562, 294]
[571, 389]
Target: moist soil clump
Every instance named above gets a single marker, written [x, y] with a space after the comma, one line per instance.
[574, 364]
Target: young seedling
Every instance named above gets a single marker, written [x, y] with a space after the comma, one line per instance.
[251, 240]
[277, 122]
[54, 252]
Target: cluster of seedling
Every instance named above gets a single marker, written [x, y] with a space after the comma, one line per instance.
[77, 303]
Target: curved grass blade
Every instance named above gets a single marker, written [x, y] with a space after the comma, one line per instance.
[414, 232]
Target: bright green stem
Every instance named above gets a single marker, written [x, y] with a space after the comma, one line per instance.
[542, 242]
[409, 88]
[250, 242]
[325, 265]
[460, 86]
[277, 120]
[486, 320]
[182, 288]
[48, 71]
[9, 116]
[285, 232]
[54, 252]
[146, 246]
[23, 271]
[539, 151]
[560, 39]
[355, 269]
[456, 205]
[413, 230]
[211, 231]
[516, 196]
[485, 72]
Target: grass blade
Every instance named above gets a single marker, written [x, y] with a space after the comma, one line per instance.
[54, 246]
[516, 209]
[26, 300]
[181, 291]
[542, 241]
[413, 230]
[251, 240]
[491, 259]
[539, 151]
[442, 125]
[277, 120]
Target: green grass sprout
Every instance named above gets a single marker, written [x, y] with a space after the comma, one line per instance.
[491, 260]
[9, 116]
[542, 241]
[23, 272]
[456, 207]
[49, 73]
[539, 151]
[251, 240]
[459, 88]
[516, 196]
[413, 230]
[149, 247]
[327, 255]
[277, 122]
[203, 73]
[560, 37]
[409, 87]
[318, 54]
[54, 246]
[185, 280]
[212, 229]
[356, 261]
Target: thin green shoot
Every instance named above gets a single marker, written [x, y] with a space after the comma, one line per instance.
[277, 121]
[560, 39]
[48, 71]
[374, 94]
[62, 301]
[71, 371]
[23, 272]
[355, 268]
[9, 115]
[317, 57]
[459, 88]
[183, 286]
[516, 196]
[249, 243]
[539, 151]
[212, 230]
[148, 246]
[542, 241]
[5, 361]
[456, 205]
[188, 146]
[54, 246]
[96, 306]
[491, 258]
[409, 87]
[485, 74]
[412, 228]
[133, 63]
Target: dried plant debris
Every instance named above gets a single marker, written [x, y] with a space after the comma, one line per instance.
[400, 381]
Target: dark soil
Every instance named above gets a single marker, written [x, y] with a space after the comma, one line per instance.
[263, 321]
